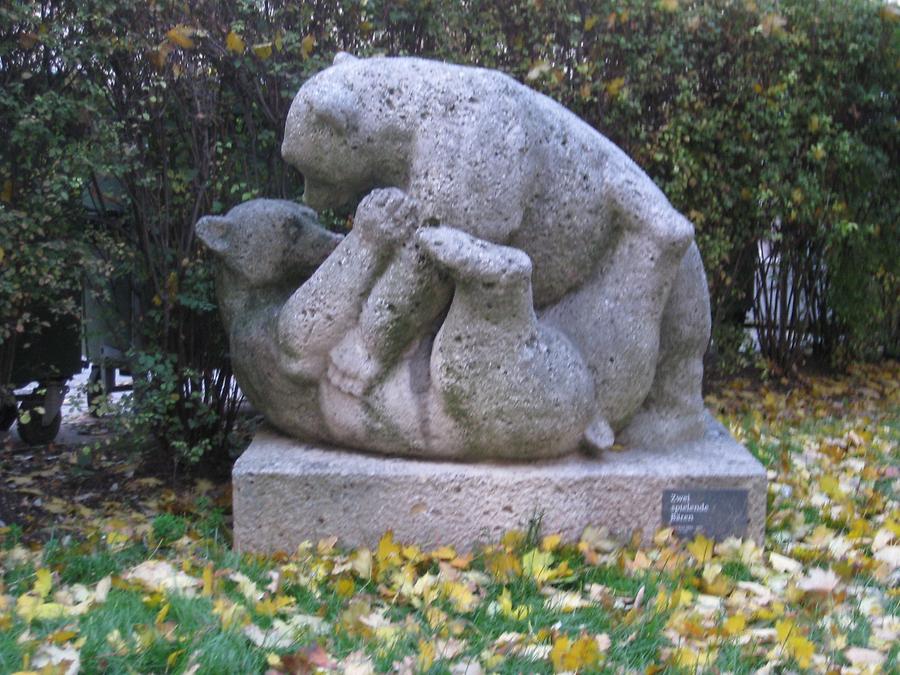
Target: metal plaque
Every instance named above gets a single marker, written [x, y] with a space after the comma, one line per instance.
[716, 514]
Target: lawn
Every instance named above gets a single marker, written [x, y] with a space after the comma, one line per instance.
[134, 573]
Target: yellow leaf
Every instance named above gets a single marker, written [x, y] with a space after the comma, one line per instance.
[701, 548]
[692, 660]
[831, 487]
[307, 45]
[49, 611]
[361, 561]
[551, 542]
[62, 636]
[388, 553]
[735, 625]
[172, 658]
[234, 43]
[581, 655]
[591, 21]
[425, 659]
[459, 595]
[181, 36]
[801, 649]
[271, 606]
[6, 193]
[263, 50]
[537, 565]
[279, 41]
[669, 5]
[512, 540]
[506, 606]
[444, 553]
[26, 606]
[503, 565]
[229, 613]
[43, 583]
[345, 588]
[783, 629]
[208, 581]
[663, 536]
[613, 87]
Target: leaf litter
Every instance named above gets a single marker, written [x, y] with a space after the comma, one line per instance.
[145, 580]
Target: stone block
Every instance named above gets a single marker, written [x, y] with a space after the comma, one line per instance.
[287, 491]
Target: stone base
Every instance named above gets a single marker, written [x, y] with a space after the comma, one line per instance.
[286, 492]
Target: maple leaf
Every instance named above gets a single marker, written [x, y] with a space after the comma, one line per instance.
[538, 565]
[701, 548]
[578, 655]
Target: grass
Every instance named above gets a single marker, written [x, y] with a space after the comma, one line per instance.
[834, 493]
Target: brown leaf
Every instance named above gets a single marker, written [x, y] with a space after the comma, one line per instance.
[308, 660]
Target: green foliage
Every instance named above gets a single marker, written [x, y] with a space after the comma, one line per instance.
[168, 528]
[764, 122]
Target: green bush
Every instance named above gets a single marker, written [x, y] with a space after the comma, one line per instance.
[764, 122]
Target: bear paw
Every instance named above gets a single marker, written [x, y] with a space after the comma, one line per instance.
[386, 217]
[471, 259]
[351, 368]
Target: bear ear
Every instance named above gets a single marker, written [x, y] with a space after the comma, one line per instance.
[214, 231]
[343, 57]
[336, 108]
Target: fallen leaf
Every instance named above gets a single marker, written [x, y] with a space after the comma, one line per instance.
[819, 582]
[67, 660]
[860, 657]
[159, 575]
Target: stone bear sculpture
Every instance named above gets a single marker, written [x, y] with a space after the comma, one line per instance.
[491, 383]
[614, 270]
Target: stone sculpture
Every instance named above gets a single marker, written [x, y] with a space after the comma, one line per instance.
[514, 286]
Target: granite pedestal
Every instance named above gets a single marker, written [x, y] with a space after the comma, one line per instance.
[286, 491]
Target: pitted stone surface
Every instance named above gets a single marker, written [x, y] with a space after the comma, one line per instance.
[514, 286]
[286, 492]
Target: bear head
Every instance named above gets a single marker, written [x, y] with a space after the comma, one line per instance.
[267, 242]
[341, 142]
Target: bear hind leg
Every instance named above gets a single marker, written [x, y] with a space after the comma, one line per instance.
[673, 411]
